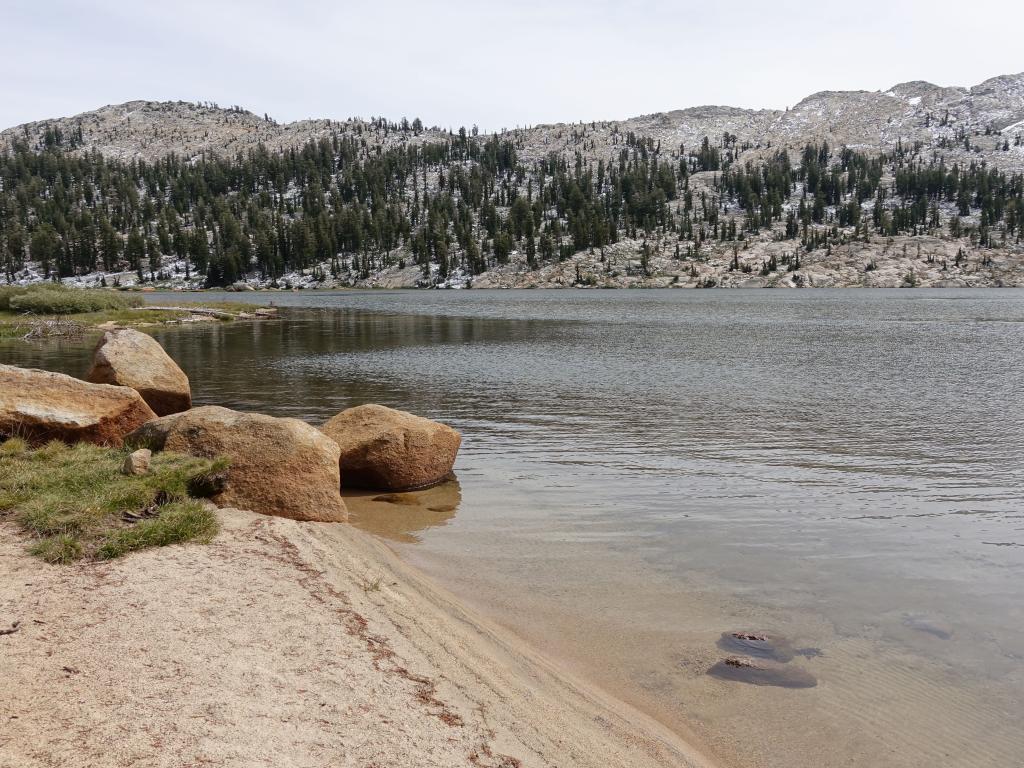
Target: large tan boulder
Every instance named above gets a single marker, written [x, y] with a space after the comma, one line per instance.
[392, 450]
[133, 359]
[281, 467]
[41, 405]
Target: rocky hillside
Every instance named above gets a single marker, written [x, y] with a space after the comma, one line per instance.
[917, 185]
[150, 130]
[918, 111]
[937, 117]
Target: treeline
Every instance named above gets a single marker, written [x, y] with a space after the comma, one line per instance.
[465, 202]
[468, 202]
[833, 191]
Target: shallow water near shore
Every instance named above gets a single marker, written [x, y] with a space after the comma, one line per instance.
[645, 473]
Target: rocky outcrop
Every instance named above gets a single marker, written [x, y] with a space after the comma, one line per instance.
[40, 406]
[392, 450]
[281, 467]
[133, 359]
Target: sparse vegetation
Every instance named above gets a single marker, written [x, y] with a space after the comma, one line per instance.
[367, 198]
[57, 299]
[48, 310]
[368, 585]
[177, 522]
[76, 503]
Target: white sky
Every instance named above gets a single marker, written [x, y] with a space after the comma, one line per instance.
[496, 64]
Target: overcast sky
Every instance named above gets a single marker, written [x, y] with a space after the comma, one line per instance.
[496, 64]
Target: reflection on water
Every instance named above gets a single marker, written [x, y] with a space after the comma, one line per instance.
[405, 516]
[643, 471]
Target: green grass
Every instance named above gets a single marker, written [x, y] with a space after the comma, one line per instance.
[57, 299]
[10, 327]
[22, 307]
[8, 292]
[75, 503]
[178, 522]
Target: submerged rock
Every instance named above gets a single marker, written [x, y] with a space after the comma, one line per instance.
[407, 500]
[762, 672]
[404, 516]
[928, 625]
[281, 467]
[392, 450]
[757, 644]
[41, 405]
[133, 359]
[809, 653]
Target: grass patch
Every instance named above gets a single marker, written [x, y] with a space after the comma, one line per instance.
[8, 292]
[26, 309]
[178, 522]
[11, 327]
[57, 299]
[75, 502]
[57, 549]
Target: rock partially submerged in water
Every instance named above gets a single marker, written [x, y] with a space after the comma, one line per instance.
[392, 450]
[760, 658]
[760, 645]
[133, 359]
[41, 405]
[281, 467]
[744, 669]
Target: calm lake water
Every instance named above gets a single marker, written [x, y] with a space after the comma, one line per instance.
[643, 471]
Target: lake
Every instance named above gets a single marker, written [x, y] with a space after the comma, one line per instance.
[646, 473]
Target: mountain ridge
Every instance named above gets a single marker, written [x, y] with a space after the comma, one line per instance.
[905, 111]
[918, 185]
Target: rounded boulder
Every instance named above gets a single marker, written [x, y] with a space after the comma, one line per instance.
[133, 359]
[42, 405]
[280, 467]
[392, 450]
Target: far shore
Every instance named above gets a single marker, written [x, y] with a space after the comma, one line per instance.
[127, 309]
[307, 639]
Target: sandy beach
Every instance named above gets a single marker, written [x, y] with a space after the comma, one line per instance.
[284, 644]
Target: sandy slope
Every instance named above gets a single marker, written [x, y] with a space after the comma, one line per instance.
[282, 644]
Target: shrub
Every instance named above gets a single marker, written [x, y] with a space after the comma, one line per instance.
[7, 292]
[54, 299]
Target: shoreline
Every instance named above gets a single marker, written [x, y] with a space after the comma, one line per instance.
[318, 636]
[60, 313]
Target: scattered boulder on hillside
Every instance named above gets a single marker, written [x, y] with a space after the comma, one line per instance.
[133, 359]
[392, 450]
[41, 406]
[281, 467]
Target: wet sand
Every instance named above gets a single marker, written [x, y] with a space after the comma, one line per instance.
[817, 694]
[284, 644]
[660, 653]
